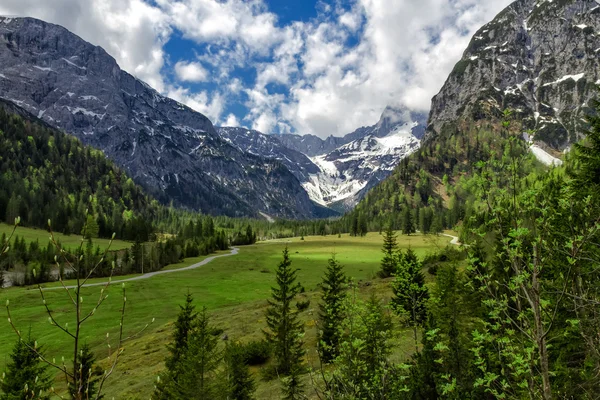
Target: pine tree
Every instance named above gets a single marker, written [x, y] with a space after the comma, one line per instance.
[410, 293]
[293, 389]
[185, 323]
[389, 263]
[285, 330]
[137, 252]
[408, 225]
[363, 227]
[587, 176]
[87, 382]
[199, 379]
[26, 376]
[241, 385]
[332, 310]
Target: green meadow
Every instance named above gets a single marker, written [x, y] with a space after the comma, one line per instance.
[68, 241]
[234, 289]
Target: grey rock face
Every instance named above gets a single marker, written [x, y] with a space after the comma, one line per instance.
[537, 58]
[269, 146]
[165, 146]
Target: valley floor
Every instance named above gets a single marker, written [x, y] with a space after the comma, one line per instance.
[234, 289]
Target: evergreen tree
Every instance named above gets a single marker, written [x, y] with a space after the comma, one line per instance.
[26, 377]
[410, 293]
[332, 310]
[408, 224]
[185, 323]
[293, 389]
[285, 330]
[362, 367]
[199, 374]
[587, 175]
[389, 263]
[363, 227]
[241, 385]
[85, 368]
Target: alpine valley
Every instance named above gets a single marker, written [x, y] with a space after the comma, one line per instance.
[440, 256]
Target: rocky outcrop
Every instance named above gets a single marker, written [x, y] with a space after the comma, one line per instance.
[171, 150]
[539, 59]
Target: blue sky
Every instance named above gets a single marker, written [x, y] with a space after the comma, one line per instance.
[323, 67]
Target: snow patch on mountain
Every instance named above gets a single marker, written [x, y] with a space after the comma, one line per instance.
[349, 169]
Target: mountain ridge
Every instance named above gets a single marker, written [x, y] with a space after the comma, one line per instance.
[171, 150]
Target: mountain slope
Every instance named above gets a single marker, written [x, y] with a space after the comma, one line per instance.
[537, 58]
[166, 147]
[45, 174]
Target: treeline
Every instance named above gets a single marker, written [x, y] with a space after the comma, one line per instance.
[30, 263]
[45, 173]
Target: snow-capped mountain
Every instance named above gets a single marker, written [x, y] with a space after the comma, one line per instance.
[347, 172]
[337, 171]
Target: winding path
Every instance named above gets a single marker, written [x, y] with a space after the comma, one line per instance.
[455, 240]
[234, 251]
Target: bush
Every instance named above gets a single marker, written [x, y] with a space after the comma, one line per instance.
[257, 352]
[303, 305]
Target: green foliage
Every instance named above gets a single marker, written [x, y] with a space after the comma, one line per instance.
[88, 375]
[26, 376]
[257, 352]
[199, 375]
[240, 384]
[45, 173]
[331, 314]
[389, 262]
[410, 293]
[362, 369]
[285, 330]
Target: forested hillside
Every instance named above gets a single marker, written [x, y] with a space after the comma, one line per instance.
[46, 174]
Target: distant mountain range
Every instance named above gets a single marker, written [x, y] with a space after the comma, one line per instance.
[538, 59]
[171, 150]
[337, 171]
[175, 152]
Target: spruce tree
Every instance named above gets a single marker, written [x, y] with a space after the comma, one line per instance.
[85, 367]
[185, 323]
[240, 384]
[410, 293]
[332, 310]
[26, 376]
[285, 331]
[389, 263]
[587, 154]
[408, 224]
[199, 378]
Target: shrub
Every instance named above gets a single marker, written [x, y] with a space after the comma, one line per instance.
[257, 352]
[303, 305]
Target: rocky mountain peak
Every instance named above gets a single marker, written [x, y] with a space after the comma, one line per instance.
[171, 150]
[536, 58]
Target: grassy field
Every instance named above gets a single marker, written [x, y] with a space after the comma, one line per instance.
[70, 241]
[234, 289]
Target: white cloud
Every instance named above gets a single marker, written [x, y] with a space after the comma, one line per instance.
[190, 72]
[132, 31]
[401, 53]
[210, 105]
[232, 120]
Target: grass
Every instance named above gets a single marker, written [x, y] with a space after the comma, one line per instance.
[68, 241]
[234, 289]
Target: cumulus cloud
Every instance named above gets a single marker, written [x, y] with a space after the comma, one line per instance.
[190, 71]
[325, 76]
